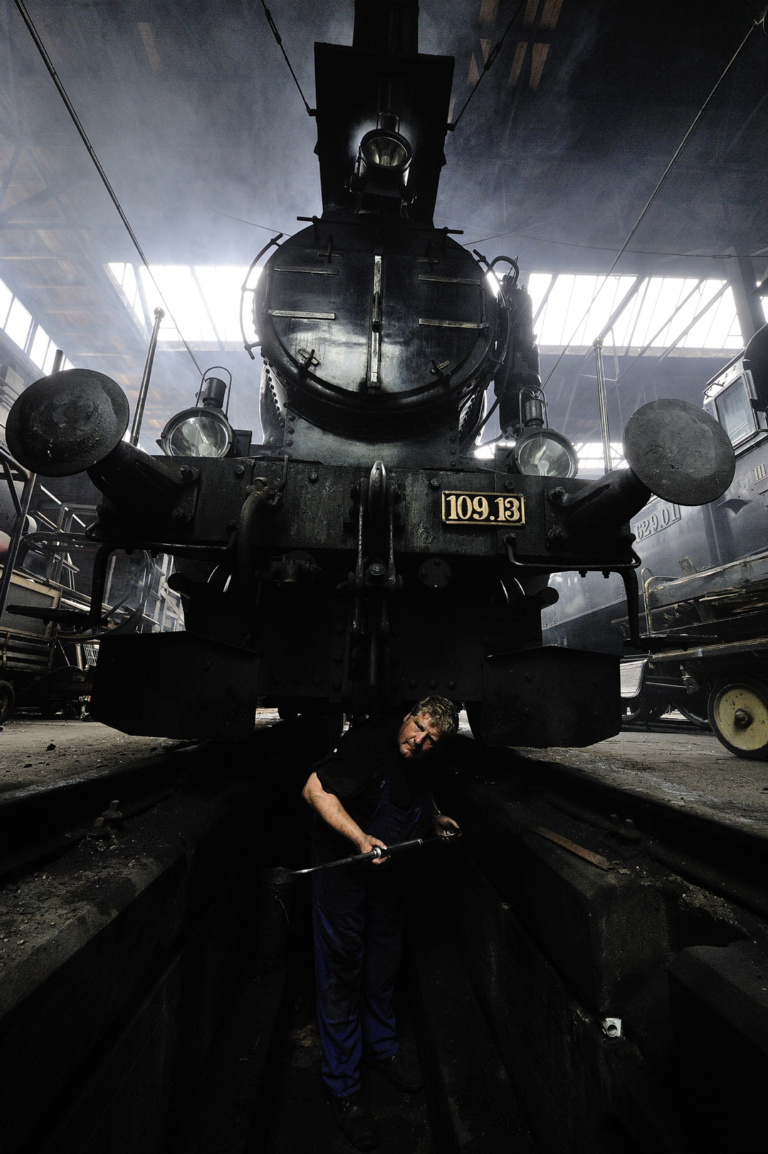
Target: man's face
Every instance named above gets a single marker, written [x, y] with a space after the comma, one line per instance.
[417, 735]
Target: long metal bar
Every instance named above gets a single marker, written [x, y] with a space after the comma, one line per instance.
[603, 402]
[416, 843]
[16, 536]
[6, 463]
[138, 416]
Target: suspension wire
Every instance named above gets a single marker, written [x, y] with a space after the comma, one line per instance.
[279, 40]
[611, 248]
[242, 220]
[488, 64]
[97, 163]
[694, 124]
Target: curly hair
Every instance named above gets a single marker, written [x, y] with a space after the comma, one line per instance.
[442, 712]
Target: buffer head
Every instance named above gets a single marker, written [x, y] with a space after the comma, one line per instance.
[67, 422]
[679, 452]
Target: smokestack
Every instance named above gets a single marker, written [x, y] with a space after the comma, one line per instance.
[390, 27]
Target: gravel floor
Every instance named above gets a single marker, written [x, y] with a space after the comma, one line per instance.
[688, 769]
[35, 750]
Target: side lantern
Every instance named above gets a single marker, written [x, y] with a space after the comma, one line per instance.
[204, 430]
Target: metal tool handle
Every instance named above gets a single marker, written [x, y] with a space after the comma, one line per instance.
[376, 852]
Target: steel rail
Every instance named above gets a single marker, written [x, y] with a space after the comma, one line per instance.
[722, 856]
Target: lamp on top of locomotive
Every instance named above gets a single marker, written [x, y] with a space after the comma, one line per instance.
[202, 431]
[383, 162]
[541, 451]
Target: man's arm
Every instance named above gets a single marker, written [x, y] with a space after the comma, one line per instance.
[334, 814]
[441, 823]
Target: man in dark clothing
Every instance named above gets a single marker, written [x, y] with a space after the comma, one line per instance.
[372, 790]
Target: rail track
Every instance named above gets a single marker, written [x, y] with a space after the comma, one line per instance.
[720, 854]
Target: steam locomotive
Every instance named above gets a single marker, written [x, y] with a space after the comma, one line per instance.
[704, 582]
[362, 556]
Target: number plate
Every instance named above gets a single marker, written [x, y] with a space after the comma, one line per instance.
[462, 508]
[657, 519]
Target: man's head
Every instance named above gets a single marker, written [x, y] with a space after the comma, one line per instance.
[428, 722]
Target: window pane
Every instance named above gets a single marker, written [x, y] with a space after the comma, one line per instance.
[18, 324]
[39, 350]
[221, 289]
[6, 296]
[50, 356]
[734, 411]
[658, 315]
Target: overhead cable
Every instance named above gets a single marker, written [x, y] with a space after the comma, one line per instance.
[694, 124]
[279, 39]
[611, 248]
[97, 163]
[488, 64]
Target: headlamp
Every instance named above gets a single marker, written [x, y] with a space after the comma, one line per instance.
[202, 431]
[381, 148]
[383, 165]
[197, 432]
[545, 453]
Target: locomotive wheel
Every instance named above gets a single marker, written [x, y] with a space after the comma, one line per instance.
[738, 714]
[7, 700]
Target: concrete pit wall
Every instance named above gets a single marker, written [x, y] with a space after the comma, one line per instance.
[556, 946]
[109, 1007]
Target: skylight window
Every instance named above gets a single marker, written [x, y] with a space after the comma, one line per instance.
[591, 457]
[6, 297]
[201, 302]
[202, 306]
[42, 350]
[665, 311]
[124, 276]
[18, 323]
[575, 311]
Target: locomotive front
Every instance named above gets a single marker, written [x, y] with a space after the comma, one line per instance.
[374, 332]
[362, 557]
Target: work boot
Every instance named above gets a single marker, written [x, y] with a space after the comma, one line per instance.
[399, 1070]
[358, 1126]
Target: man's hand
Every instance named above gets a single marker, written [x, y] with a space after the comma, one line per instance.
[365, 843]
[445, 826]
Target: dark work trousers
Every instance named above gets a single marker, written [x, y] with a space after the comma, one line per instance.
[358, 925]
